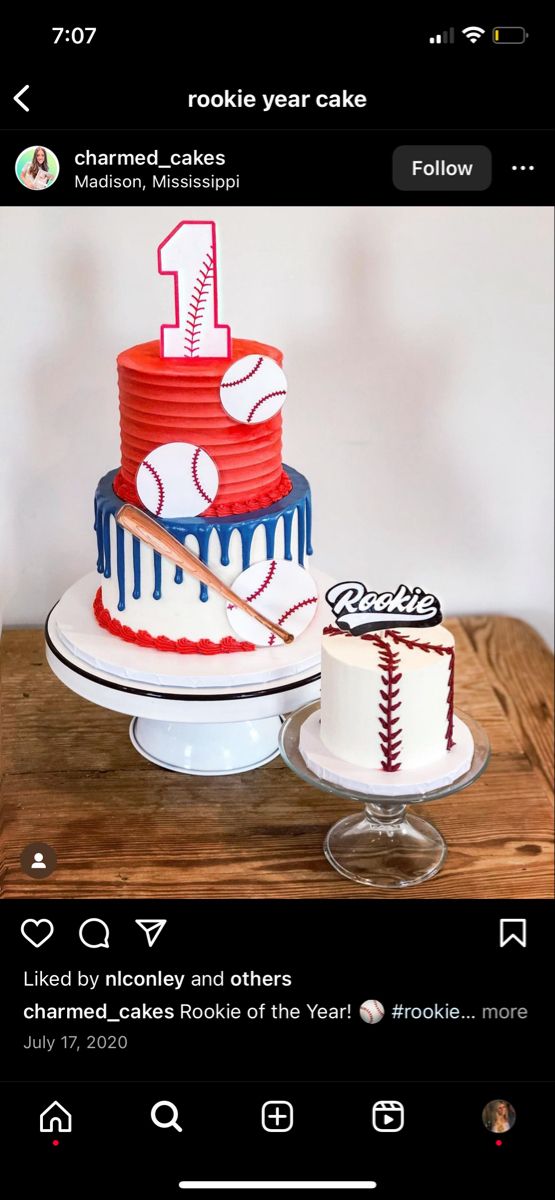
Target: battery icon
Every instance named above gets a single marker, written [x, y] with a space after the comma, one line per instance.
[509, 35]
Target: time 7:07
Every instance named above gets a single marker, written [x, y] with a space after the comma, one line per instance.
[77, 35]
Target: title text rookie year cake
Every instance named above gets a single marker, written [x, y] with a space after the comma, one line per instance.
[387, 719]
[201, 444]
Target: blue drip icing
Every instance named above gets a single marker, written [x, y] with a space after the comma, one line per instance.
[287, 527]
[225, 536]
[247, 534]
[136, 568]
[270, 540]
[98, 528]
[298, 501]
[106, 545]
[308, 519]
[120, 555]
[157, 575]
[300, 531]
[203, 536]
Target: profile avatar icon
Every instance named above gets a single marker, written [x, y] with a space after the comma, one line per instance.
[37, 168]
[38, 863]
[498, 1116]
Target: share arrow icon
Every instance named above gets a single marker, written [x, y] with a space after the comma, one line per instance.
[152, 929]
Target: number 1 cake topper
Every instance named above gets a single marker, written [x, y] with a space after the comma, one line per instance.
[189, 254]
[359, 611]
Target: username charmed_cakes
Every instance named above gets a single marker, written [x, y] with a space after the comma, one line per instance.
[201, 446]
[387, 717]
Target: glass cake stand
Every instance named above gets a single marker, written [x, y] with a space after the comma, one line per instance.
[384, 847]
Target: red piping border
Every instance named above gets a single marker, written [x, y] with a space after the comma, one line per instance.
[251, 503]
[141, 637]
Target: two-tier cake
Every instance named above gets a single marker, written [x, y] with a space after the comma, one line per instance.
[171, 392]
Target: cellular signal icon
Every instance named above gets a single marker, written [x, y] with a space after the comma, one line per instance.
[444, 38]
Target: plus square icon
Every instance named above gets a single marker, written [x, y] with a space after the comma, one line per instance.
[277, 1116]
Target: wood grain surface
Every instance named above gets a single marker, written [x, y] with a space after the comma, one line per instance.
[123, 827]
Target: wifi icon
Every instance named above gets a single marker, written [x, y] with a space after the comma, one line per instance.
[473, 33]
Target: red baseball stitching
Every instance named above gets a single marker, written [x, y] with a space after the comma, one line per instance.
[450, 701]
[142, 637]
[199, 298]
[243, 379]
[261, 401]
[426, 647]
[158, 480]
[262, 587]
[390, 738]
[285, 615]
[333, 631]
[300, 604]
[414, 644]
[196, 479]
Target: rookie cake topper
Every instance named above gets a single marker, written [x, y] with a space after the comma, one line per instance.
[359, 611]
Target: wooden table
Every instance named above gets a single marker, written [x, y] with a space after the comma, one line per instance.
[123, 827]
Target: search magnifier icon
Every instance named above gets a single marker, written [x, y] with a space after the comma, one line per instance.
[172, 1123]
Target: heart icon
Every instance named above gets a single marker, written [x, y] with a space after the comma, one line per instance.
[30, 931]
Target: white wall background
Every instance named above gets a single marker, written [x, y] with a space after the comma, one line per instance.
[418, 349]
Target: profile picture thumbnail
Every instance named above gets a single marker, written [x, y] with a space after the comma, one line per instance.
[498, 1116]
[37, 168]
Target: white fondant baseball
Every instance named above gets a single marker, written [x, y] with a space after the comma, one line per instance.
[177, 480]
[371, 1012]
[253, 389]
[283, 591]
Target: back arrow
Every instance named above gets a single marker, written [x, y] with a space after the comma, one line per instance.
[18, 99]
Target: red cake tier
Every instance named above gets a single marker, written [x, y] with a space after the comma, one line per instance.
[166, 400]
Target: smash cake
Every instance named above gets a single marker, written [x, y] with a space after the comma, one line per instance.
[387, 716]
[201, 447]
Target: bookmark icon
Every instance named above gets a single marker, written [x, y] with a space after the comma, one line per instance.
[512, 929]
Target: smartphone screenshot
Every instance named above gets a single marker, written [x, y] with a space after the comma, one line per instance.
[276, 596]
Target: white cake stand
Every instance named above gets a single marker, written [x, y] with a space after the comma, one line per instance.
[197, 715]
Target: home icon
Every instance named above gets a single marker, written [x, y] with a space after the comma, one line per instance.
[55, 1119]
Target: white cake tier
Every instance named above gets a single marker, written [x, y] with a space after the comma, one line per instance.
[179, 611]
[387, 697]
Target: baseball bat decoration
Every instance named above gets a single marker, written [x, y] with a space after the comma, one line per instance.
[253, 389]
[177, 480]
[152, 534]
[283, 591]
[360, 611]
[189, 254]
